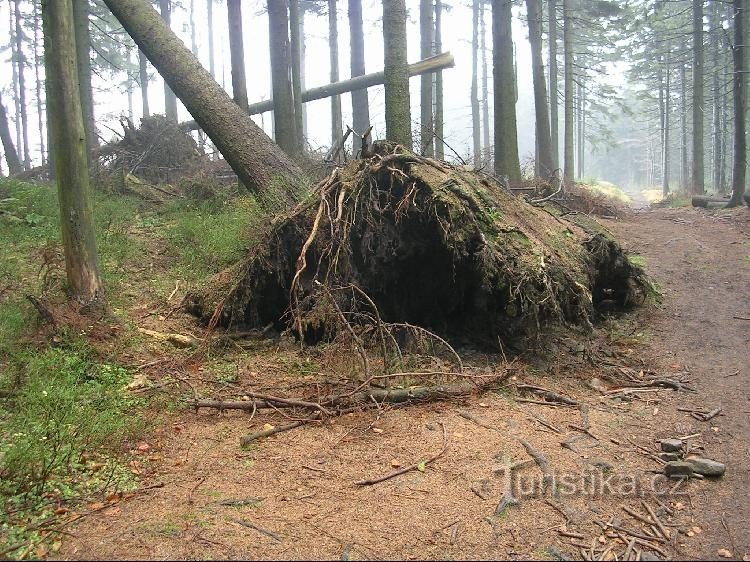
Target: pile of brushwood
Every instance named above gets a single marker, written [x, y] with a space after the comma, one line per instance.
[572, 197]
[395, 245]
[158, 160]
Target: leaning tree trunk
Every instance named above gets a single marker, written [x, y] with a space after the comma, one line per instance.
[545, 163]
[553, 112]
[568, 162]
[426, 36]
[397, 104]
[285, 129]
[337, 132]
[739, 60]
[258, 163]
[237, 53]
[65, 119]
[360, 103]
[170, 100]
[506, 135]
[698, 185]
[11, 156]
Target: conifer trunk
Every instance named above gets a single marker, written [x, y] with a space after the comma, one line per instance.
[237, 53]
[506, 136]
[360, 102]
[397, 101]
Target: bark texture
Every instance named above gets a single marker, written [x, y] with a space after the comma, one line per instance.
[506, 136]
[397, 101]
[170, 100]
[426, 35]
[285, 129]
[360, 103]
[258, 163]
[554, 117]
[69, 144]
[476, 133]
[11, 156]
[237, 53]
[296, 30]
[568, 162]
[439, 135]
[143, 79]
[739, 60]
[544, 161]
[333, 45]
[698, 181]
[22, 87]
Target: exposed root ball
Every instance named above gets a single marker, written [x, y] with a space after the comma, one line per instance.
[427, 244]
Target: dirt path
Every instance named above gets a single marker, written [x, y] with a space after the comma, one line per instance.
[293, 495]
[701, 259]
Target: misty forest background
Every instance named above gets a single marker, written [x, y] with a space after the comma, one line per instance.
[641, 80]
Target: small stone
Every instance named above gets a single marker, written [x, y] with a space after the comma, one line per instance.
[671, 445]
[395, 463]
[377, 430]
[706, 467]
[678, 469]
[724, 553]
[669, 456]
[597, 385]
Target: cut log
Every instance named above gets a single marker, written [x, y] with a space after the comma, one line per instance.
[432, 64]
[259, 164]
[707, 202]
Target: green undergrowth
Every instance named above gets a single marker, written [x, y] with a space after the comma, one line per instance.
[66, 422]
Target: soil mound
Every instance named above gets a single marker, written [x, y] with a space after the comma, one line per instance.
[398, 238]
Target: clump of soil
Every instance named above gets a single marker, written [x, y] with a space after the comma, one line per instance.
[401, 238]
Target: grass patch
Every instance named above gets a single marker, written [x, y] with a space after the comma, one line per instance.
[205, 237]
[637, 260]
[606, 188]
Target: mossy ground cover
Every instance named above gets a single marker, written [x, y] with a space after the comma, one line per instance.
[67, 424]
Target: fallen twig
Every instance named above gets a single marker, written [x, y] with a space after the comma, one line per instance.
[255, 527]
[415, 466]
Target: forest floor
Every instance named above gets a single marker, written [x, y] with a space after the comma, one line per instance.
[200, 495]
[292, 496]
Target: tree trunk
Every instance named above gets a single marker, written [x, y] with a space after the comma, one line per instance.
[360, 103]
[337, 132]
[439, 134]
[698, 187]
[129, 83]
[210, 25]
[15, 59]
[568, 163]
[684, 174]
[740, 70]
[667, 111]
[69, 143]
[38, 83]
[302, 65]
[545, 162]
[11, 156]
[143, 79]
[397, 104]
[283, 102]
[22, 88]
[426, 36]
[295, 36]
[258, 163]
[475, 120]
[237, 53]
[433, 64]
[170, 100]
[506, 135]
[717, 151]
[553, 92]
[580, 124]
[193, 33]
[485, 89]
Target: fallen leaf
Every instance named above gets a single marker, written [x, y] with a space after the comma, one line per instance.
[696, 529]
[112, 498]
[267, 427]
[656, 411]
[61, 511]
[96, 506]
[41, 551]
[421, 466]
[56, 546]
[724, 553]
[377, 430]
[602, 539]
[746, 558]
[143, 447]
[458, 435]
[690, 534]
[395, 463]
[484, 405]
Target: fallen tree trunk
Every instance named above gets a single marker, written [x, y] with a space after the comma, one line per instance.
[259, 164]
[429, 65]
[705, 202]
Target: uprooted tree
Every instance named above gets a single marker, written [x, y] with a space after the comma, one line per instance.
[390, 242]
